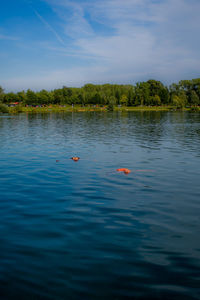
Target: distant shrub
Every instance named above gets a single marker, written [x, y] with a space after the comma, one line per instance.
[195, 109]
[111, 103]
[3, 108]
[110, 107]
[17, 109]
[178, 102]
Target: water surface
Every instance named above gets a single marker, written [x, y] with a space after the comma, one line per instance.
[81, 230]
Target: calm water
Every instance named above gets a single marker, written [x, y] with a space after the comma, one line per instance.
[81, 230]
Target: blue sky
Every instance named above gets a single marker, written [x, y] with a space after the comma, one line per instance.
[51, 43]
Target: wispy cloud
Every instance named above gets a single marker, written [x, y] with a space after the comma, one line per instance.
[150, 38]
[8, 37]
[145, 23]
[122, 42]
[49, 27]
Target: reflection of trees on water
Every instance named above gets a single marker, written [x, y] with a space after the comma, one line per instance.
[184, 129]
[145, 129]
[148, 130]
[11, 129]
[142, 128]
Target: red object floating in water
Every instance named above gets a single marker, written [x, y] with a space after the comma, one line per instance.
[75, 158]
[57, 160]
[125, 170]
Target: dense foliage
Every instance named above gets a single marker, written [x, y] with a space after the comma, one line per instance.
[149, 93]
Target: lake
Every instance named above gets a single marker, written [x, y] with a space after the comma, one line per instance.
[82, 230]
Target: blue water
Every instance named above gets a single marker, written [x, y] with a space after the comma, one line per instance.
[82, 230]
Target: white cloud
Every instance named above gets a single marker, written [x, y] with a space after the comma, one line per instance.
[72, 15]
[148, 37]
[145, 39]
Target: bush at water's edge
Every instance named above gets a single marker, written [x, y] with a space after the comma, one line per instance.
[3, 108]
[77, 108]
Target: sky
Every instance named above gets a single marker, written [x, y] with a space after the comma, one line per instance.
[46, 44]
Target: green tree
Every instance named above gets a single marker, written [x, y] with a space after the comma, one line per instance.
[1, 94]
[44, 97]
[67, 94]
[9, 98]
[3, 108]
[155, 100]
[130, 96]
[117, 96]
[174, 89]
[58, 97]
[124, 100]
[111, 103]
[178, 102]
[194, 99]
[142, 94]
[186, 85]
[196, 86]
[21, 97]
[157, 88]
[31, 98]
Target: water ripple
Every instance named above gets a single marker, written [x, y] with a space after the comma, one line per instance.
[84, 231]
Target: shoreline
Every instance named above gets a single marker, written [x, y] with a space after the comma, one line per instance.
[78, 108]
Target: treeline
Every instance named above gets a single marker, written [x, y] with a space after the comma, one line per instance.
[149, 93]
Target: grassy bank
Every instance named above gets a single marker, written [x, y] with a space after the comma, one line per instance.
[68, 108]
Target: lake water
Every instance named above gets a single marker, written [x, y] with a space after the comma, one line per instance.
[82, 230]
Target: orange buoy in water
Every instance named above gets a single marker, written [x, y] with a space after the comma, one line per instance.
[125, 170]
[75, 158]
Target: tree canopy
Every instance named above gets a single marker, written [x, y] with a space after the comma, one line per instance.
[149, 93]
